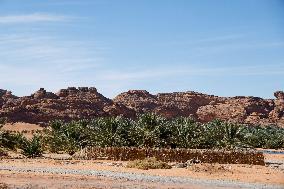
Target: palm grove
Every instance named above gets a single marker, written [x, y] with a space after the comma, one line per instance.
[147, 130]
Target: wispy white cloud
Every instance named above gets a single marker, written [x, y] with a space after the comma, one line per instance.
[30, 18]
[193, 71]
[221, 44]
[38, 60]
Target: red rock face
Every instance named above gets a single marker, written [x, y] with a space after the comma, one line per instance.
[204, 108]
[86, 103]
[74, 104]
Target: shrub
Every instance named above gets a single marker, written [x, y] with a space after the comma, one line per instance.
[148, 163]
[185, 133]
[67, 137]
[10, 140]
[150, 130]
[109, 131]
[219, 134]
[32, 148]
[264, 137]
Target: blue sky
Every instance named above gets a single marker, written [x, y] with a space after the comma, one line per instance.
[221, 47]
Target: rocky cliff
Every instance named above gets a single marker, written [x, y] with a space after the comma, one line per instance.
[204, 108]
[68, 104]
[83, 102]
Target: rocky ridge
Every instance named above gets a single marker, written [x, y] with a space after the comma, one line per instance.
[68, 104]
[85, 103]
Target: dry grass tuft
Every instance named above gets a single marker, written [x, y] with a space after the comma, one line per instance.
[148, 163]
[211, 168]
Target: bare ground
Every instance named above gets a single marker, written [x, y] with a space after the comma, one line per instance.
[27, 129]
[49, 173]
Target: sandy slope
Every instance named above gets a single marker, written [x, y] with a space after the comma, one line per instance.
[27, 129]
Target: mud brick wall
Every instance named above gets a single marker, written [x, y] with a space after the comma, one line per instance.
[173, 155]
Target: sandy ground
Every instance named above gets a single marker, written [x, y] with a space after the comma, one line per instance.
[244, 173]
[21, 127]
[27, 129]
[217, 172]
[30, 180]
[274, 157]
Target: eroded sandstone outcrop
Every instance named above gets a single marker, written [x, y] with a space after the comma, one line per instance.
[204, 108]
[67, 104]
[86, 103]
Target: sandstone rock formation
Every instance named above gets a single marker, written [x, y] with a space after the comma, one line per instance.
[67, 104]
[204, 108]
[86, 103]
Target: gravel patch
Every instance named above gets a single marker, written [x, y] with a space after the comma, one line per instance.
[143, 177]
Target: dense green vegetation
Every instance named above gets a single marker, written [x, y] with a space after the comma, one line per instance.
[148, 130]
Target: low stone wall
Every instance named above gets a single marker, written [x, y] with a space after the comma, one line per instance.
[173, 155]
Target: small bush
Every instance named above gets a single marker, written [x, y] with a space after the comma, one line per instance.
[32, 148]
[148, 163]
[10, 140]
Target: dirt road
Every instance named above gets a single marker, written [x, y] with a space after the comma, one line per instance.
[42, 173]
